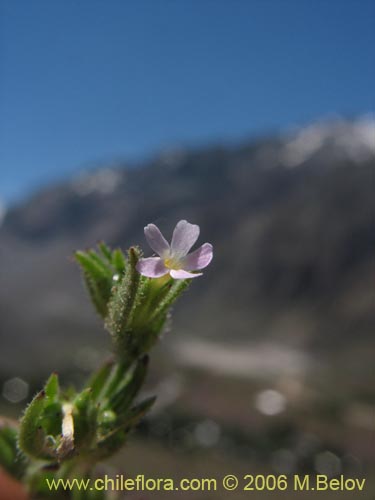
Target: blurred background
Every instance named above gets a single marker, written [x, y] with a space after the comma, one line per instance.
[253, 119]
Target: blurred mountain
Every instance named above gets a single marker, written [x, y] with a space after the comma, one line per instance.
[291, 220]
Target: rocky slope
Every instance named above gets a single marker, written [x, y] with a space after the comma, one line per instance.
[291, 221]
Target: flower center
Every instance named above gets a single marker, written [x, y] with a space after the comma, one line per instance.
[171, 263]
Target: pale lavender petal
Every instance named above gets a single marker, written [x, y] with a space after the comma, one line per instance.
[156, 240]
[184, 237]
[153, 267]
[180, 274]
[198, 259]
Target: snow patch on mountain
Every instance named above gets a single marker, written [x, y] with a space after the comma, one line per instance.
[354, 140]
[103, 181]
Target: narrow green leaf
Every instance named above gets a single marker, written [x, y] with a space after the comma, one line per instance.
[103, 265]
[118, 261]
[91, 265]
[119, 374]
[99, 379]
[106, 251]
[123, 398]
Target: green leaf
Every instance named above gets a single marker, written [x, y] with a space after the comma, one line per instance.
[52, 389]
[31, 435]
[98, 280]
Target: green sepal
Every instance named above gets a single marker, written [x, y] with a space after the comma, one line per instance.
[175, 290]
[153, 312]
[122, 306]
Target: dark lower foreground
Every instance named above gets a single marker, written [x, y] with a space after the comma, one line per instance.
[216, 427]
[239, 418]
[210, 425]
[154, 461]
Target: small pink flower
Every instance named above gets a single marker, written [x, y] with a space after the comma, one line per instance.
[174, 258]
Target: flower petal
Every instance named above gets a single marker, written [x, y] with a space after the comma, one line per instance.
[198, 259]
[180, 274]
[184, 237]
[156, 240]
[153, 267]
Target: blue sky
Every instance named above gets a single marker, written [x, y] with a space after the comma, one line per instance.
[88, 81]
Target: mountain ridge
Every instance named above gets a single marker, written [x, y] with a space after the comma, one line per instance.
[293, 243]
